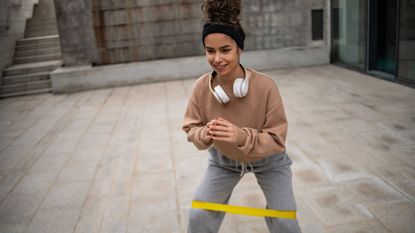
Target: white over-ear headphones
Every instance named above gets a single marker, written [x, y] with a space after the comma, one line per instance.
[240, 88]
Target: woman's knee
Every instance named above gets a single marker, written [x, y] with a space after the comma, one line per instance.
[201, 221]
[197, 215]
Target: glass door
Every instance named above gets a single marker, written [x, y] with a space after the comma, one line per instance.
[383, 21]
[406, 70]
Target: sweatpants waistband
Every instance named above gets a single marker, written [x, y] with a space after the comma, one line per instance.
[275, 160]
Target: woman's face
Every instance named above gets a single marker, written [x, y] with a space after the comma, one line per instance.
[222, 53]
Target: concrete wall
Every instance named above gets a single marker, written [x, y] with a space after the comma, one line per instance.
[140, 33]
[13, 16]
[76, 33]
[127, 31]
[72, 79]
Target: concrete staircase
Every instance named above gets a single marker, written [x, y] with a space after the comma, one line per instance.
[36, 56]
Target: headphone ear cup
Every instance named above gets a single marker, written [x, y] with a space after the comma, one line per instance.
[237, 87]
[217, 97]
[244, 87]
[220, 95]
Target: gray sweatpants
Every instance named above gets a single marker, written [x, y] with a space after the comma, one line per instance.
[273, 175]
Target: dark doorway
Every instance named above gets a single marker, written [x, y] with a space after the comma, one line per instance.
[383, 35]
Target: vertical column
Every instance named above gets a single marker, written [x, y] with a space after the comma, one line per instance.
[75, 28]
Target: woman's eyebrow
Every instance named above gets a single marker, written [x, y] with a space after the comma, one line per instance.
[223, 47]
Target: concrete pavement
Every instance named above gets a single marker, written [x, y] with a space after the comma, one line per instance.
[116, 160]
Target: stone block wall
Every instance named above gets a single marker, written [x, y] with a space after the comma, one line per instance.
[109, 31]
[146, 30]
[13, 16]
[74, 19]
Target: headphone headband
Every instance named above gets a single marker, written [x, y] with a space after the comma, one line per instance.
[240, 91]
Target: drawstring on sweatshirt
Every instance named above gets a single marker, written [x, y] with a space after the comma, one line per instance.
[244, 167]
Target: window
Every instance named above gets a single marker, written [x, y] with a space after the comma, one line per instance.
[317, 27]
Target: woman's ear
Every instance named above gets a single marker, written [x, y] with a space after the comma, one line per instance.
[239, 51]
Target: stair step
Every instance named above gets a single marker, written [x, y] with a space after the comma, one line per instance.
[43, 12]
[38, 40]
[9, 80]
[43, 5]
[44, 8]
[36, 52]
[43, 33]
[37, 67]
[38, 47]
[34, 23]
[46, 29]
[31, 35]
[41, 26]
[44, 19]
[51, 18]
[40, 32]
[29, 92]
[30, 59]
[27, 86]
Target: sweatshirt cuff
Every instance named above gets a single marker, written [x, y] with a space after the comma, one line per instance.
[246, 147]
[203, 136]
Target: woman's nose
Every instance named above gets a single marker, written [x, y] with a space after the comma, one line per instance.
[218, 58]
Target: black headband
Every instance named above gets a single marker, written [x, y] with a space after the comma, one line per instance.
[225, 29]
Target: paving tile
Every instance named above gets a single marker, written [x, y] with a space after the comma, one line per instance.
[116, 215]
[12, 228]
[11, 156]
[66, 195]
[75, 171]
[61, 147]
[94, 140]
[371, 190]
[4, 190]
[50, 163]
[248, 193]
[153, 161]
[92, 215]
[186, 188]
[372, 226]
[310, 176]
[385, 140]
[353, 157]
[54, 220]
[257, 226]
[145, 189]
[19, 208]
[333, 206]
[35, 183]
[397, 217]
[147, 219]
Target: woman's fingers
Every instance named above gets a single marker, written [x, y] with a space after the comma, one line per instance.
[218, 128]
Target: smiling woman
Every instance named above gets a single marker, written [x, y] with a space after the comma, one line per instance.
[238, 114]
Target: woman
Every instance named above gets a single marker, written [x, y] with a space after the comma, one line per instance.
[238, 114]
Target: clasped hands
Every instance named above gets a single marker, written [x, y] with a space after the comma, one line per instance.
[224, 131]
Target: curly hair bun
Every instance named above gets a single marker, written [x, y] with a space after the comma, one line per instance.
[221, 11]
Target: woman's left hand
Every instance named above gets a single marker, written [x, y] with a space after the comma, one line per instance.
[224, 131]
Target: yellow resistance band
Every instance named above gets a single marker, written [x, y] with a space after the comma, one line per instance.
[244, 210]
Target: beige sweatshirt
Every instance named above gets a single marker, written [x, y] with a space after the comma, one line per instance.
[260, 114]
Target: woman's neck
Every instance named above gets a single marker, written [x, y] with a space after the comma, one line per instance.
[229, 79]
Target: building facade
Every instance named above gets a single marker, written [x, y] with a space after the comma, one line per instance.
[376, 37]
[13, 16]
[371, 36]
[110, 32]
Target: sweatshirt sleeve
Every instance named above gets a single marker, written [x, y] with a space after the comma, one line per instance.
[194, 126]
[271, 138]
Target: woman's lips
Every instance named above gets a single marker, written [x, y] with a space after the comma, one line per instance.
[221, 67]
